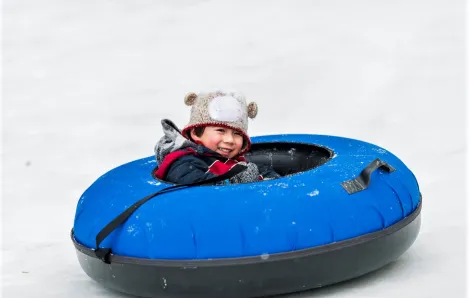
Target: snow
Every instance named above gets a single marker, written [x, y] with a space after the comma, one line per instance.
[265, 256]
[313, 193]
[86, 83]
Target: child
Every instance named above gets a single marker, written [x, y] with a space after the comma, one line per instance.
[213, 141]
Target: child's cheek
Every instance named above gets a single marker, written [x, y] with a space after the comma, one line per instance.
[215, 141]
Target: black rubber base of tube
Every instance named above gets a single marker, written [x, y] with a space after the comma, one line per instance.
[253, 276]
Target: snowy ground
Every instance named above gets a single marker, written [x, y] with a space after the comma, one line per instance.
[87, 82]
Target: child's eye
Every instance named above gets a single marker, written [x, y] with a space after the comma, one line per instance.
[237, 133]
[221, 129]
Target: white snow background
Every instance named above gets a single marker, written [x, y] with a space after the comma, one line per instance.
[86, 83]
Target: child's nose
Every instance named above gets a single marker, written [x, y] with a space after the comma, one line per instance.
[228, 138]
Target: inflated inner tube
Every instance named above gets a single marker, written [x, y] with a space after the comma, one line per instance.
[343, 208]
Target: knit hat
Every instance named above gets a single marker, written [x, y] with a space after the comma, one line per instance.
[219, 108]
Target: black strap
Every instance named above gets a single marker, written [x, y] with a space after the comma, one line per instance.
[104, 253]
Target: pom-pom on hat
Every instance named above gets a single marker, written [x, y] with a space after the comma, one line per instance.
[219, 108]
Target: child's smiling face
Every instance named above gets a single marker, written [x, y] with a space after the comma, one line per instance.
[225, 141]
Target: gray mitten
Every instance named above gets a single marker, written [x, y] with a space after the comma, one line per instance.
[251, 174]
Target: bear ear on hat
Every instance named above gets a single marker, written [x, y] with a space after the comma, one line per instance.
[252, 110]
[190, 98]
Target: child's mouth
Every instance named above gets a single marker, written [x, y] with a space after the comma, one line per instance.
[225, 151]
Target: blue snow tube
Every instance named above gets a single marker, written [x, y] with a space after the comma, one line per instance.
[334, 193]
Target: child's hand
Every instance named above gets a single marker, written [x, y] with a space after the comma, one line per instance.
[251, 174]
